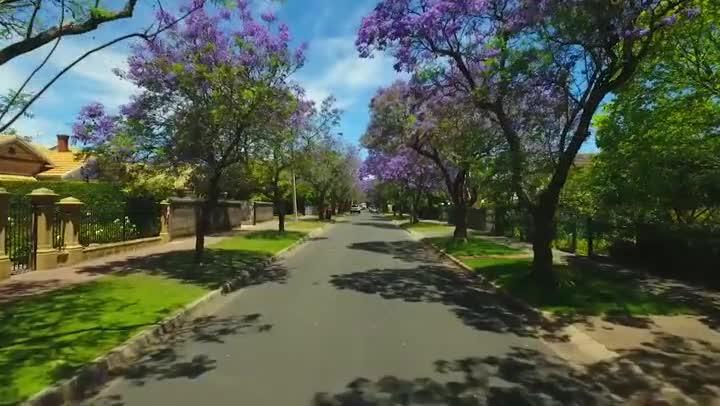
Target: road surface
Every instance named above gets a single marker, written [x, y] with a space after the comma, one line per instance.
[360, 316]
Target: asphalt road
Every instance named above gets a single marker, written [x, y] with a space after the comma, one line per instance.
[360, 316]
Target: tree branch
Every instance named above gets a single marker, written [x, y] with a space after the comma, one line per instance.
[74, 28]
[17, 94]
[144, 35]
[31, 24]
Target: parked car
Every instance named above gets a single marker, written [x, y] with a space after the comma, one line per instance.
[373, 210]
[355, 209]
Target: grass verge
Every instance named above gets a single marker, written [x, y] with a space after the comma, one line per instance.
[473, 247]
[304, 225]
[581, 292]
[423, 226]
[49, 337]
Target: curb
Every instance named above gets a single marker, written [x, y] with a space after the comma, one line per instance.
[100, 371]
[418, 237]
[575, 338]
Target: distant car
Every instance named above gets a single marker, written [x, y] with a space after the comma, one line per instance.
[355, 209]
[373, 210]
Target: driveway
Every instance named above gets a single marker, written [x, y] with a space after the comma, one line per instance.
[360, 316]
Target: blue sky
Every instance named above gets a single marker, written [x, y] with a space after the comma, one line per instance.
[333, 67]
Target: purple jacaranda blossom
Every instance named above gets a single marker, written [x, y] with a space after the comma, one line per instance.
[188, 54]
[268, 17]
[405, 167]
[535, 58]
[93, 124]
[692, 12]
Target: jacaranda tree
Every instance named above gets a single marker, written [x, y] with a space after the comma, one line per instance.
[207, 88]
[412, 173]
[439, 127]
[539, 68]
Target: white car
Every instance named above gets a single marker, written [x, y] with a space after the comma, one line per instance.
[355, 209]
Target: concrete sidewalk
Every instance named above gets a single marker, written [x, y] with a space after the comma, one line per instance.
[39, 282]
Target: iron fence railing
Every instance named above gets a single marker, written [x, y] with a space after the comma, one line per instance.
[58, 230]
[98, 227]
[19, 238]
[576, 233]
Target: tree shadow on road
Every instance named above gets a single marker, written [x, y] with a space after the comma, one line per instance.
[523, 377]
[404, 250]
[384, 225]
[527, 377]
[475, 304]
[168, 360]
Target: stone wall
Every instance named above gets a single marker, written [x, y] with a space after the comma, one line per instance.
[263, 211]
[229, 214]
[477, 219]
[310, 211]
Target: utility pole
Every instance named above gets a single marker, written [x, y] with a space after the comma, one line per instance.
[294, 185]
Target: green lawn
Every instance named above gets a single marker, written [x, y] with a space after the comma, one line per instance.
[473, 247]
[304, 225]
[581, 291]
[264, 242]
[46, 338]
[427, 226]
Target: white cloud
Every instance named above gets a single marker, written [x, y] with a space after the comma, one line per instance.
[42, 131]
[92, 78]
[96, 72]
[337, 69]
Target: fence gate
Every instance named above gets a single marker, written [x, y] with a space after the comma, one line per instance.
[20, 241]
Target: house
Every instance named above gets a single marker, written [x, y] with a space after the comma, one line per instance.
[27, 161]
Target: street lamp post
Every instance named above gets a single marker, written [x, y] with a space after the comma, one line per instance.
[295, 205]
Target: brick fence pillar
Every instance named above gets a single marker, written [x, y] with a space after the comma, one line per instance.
[71, 208]
[5, 265]
[43, 201]
[165, 220]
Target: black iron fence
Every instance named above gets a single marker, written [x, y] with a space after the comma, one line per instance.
[58, 230]
[98, 227]
[576, 233]
[20, 236]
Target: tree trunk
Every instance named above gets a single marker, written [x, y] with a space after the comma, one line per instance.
[460, 232]
[206, 212]
[543, 234]
[281, 215]
[321, 207]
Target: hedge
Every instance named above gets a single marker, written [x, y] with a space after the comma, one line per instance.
[683, 252]
[96, 195]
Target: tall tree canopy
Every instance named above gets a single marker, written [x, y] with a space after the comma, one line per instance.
[539, 69]
[660, 137]
[207, 88]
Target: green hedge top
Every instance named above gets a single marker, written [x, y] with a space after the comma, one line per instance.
[96, 195]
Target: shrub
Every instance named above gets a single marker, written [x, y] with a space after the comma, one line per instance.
[95, 195]
[685, 252]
